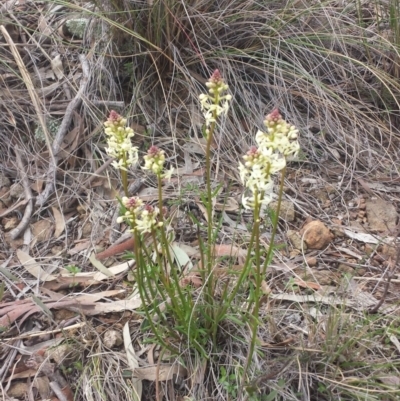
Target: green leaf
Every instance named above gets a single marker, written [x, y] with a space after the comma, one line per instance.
[271, 396]
[7, 274]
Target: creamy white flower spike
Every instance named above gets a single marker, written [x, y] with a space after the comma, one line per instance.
[154, 161]
[147, 220]
[215, 103]
[274, 146]
[119, 142]
[256, 174]
[139, 216]
[280, 135]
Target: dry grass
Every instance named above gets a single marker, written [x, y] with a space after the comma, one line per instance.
[332, 70]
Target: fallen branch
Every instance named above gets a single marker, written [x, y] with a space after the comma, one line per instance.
[62, 131]
[23, 224]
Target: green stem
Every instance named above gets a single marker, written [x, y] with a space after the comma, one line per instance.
[275, 223]
[243, 274]
[258, 281]
[142, 290]
[209, 207]
[165, 246]
[124, 176]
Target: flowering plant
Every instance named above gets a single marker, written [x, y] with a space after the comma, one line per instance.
[158, 277]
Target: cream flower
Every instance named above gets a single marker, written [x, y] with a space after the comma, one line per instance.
[119, 142]
[280, 135]
[215, 103]
[154, 160]
[147, 220]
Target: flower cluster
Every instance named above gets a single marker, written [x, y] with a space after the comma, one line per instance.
[274, 146]
[119, 142]
[280, 135]
[154, 161]
[215, 103]
[141, 217]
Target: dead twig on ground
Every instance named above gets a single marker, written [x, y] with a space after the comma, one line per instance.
[62, 131]
[389, 275]
[23, 224]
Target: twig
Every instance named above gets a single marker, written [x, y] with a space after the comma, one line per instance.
[28, 196]
[62, 131]
[389, 275]
[57, 391]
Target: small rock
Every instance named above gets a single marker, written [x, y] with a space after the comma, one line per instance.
[18, 390]
[331, 189]
[16, 191]
[296, 240]
[312, 261]
[337, 230]
[390, 251]
[382, 215]
[5, 197]
[369, 248]
[361, 271]
[287, 210]
[316, 235]
[320, 194]
[293, 253]
[345, 268]
[10, 223]
[357, 227]
[112, 338]
[87, 230]
[338, 233]
[64, 354]
[42, 230]
[13, 243]
[325, 277]
[57, 249]
[4, 181]
[321, 277]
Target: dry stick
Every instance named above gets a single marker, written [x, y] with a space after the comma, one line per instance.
[23, 224]
[389, 276]
[57, 391]
[62, 131]
[29, 86]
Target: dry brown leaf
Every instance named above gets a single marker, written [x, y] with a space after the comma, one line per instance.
[57, 67]
[99, 266]
[34, 267]
[229, 250]
[266, 289]
[80, 246]
[160, 373]
[42, 230]
[231, 205]
[390, 380]
[132, 362]
[307, 284]
[59, 220]
[111, 307]
[13, 207]
[37, 186]
[44, 27]
[191, 279]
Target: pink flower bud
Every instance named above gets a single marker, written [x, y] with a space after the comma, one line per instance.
[216, 77]
[274, 116]
[114, 116]
[153, 151]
